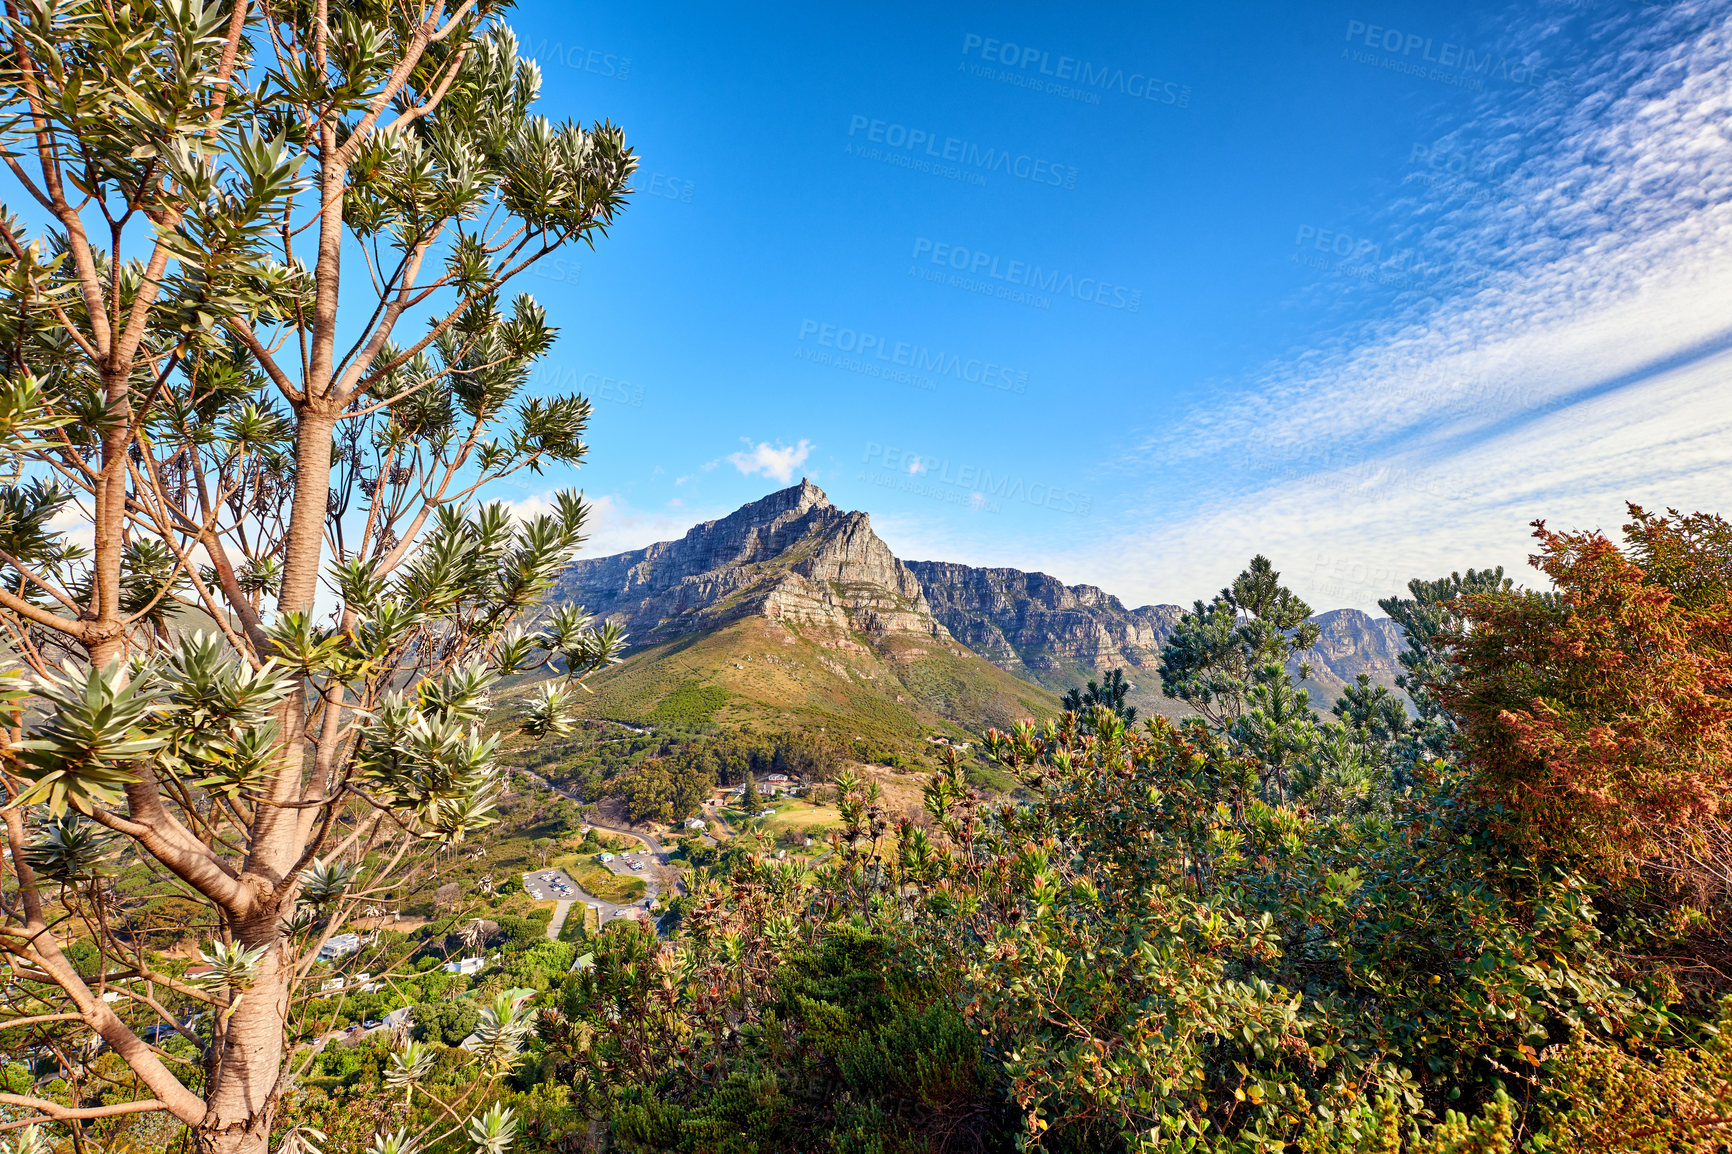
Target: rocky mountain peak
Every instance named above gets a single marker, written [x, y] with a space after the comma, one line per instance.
[794, 557]
[791, 556]
[792, 501]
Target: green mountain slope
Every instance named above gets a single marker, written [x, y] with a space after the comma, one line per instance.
[761, 671]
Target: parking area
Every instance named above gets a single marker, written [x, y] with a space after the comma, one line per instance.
[636, 864]
[551, 885]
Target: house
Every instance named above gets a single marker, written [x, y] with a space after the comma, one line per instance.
[775, 777]
[366, 982]
[605, 857]
[340, 946]
[466, 966]
[695, 823]
[766, 813]
[330, 984]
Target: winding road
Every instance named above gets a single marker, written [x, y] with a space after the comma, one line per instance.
[652, 885]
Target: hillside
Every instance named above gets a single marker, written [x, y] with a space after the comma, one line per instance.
[793, 611]
[788, 611]
[764, 671]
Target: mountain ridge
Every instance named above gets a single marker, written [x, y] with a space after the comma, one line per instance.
[820, 575]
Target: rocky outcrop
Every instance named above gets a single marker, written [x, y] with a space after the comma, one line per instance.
[1043, 630]
[792, 556]
[1038, 627]
[1351, 642]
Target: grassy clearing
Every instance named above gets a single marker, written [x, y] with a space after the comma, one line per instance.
[801, 815]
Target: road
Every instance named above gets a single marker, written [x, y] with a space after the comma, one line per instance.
[652, 884]
[543, 891]
[652, 842]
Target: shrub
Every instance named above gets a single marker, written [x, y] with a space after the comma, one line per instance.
[1600, 717]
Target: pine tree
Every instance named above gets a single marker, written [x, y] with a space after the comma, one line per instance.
[1220, 649]
[1109, 693]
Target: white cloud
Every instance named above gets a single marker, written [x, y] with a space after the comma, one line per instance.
[614, 526]
[1574, 352]
[776, 462]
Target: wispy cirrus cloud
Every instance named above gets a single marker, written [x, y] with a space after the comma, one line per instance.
[1570, 347]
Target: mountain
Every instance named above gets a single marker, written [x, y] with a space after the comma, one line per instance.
[1047, 632]
[791, 556]
[1059, 635]
[790, 609]
[1352, 642]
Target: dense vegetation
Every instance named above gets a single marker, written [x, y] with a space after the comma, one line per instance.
[1481, 915]
[1255, 930]
[256, 622]
[666, 775]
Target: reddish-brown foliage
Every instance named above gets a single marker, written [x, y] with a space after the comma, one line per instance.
[1599, 716]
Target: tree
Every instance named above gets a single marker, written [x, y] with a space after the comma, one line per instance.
[445, 1023]
[664, 789]
[1110, 693]
[185, 365]
[1219, 650]
[1600, 716]
[1430, 620]
[750, 801]
[1277, 731]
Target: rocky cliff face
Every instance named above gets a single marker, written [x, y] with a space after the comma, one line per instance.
[1045, 631]
[1038, 627]
[796, 558]
[791, 556]
[1351, 642]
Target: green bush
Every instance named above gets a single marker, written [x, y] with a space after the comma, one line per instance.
[446, 1021]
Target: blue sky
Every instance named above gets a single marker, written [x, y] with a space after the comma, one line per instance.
[1128, 294]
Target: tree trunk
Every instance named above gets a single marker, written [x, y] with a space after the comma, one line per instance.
[244, 1085]
[251, 1137]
